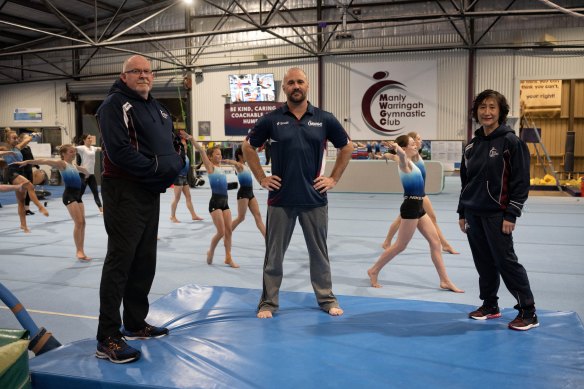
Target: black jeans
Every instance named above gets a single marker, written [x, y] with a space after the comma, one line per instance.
[131, 216]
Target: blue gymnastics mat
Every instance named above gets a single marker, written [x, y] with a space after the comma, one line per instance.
[217, 342]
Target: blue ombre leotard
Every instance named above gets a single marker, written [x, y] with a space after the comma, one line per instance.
[13, 158]
[413, 182]
[422, 166]
[72, 181]
[71, 177]
[14, 170]
[218, 182]
[245, 184]
[244, 177]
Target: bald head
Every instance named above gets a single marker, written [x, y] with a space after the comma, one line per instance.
[293, 71]
[295, 86]
[130, 62]
[137, 75]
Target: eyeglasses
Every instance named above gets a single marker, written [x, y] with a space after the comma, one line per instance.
[138, 72]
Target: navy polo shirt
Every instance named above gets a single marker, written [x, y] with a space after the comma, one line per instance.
[298, 152]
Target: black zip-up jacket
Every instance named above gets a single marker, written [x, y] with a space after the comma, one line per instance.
[495, 174]
[138, 141]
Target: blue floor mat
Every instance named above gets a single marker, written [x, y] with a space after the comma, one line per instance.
[216, 342]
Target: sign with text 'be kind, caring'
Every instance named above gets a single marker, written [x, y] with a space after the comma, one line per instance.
[391, 99]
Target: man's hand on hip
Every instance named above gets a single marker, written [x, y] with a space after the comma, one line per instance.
[323, 184]
[271, 182]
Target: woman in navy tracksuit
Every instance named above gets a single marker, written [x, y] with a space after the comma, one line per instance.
[495, 185]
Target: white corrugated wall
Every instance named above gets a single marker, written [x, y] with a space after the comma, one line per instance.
[44, 95]
[500, 70]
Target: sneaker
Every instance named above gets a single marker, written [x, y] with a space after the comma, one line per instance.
[524, 322]
[116, 350]
[29, 212]
[147, 332]
[485, 312]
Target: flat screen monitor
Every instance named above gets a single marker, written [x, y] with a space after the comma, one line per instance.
[245, 88]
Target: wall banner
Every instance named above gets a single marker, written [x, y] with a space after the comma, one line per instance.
[241, 117]
[391, 99]
[541, 97]
[28, 115]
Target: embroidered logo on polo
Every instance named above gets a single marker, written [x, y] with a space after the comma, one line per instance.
[282, 123]
[314, 124]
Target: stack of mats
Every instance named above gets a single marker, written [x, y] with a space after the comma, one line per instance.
[14, 359]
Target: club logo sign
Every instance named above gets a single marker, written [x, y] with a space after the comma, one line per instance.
[393, 103]
[388, 99]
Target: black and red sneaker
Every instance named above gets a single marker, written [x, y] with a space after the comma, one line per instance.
[524, 321]
[485, 312]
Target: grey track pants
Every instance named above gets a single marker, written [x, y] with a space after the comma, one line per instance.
[279, 228]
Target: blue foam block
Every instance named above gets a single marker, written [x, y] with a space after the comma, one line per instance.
[217, 342]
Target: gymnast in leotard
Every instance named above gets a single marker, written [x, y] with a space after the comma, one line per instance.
[413, 216]
[245, 197]
[16, 176]
[72, 193]
[181, 186]
[446, 246]
[218, 205]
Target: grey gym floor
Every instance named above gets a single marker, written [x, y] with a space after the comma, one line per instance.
[62, 294]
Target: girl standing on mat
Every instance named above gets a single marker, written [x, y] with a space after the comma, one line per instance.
[218, 205]
[413, 216]
[181, 185]
[15, 176]
[245, 196]
[446, 247]
[72, 192]
[87, 153]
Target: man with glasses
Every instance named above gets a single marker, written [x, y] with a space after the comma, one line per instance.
[141, 158]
